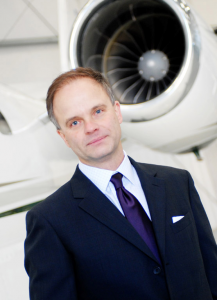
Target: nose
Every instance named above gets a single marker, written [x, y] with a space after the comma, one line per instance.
[90, 126]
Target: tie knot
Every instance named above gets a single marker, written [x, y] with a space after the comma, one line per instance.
[116, 179]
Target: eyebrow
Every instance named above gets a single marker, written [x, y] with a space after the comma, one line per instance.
[70, 119]
[92, 109]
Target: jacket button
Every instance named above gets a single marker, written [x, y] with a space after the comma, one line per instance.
[157, 270]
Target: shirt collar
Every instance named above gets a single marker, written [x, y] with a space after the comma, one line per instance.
[101, 177]
[126, 169]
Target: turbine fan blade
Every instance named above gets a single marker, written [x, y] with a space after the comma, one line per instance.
[121, 42]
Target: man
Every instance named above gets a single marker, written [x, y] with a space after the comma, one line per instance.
[118, 229]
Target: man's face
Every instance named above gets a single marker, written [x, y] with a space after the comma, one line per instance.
[90, 124]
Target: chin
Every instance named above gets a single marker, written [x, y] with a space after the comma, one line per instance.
[102, 154]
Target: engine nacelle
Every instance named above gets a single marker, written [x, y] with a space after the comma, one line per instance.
[161, 61]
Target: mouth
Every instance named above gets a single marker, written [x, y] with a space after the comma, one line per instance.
[97, 140]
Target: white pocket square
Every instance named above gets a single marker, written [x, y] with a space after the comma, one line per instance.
[177, 218]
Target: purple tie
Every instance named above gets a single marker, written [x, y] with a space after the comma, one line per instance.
[135, 214]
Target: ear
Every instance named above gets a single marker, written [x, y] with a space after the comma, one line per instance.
[118, 111]
[59, 131]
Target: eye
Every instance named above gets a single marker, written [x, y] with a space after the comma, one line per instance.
[74, 123]
[98, 111]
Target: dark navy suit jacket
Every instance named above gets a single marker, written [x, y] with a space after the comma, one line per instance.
[79, 246]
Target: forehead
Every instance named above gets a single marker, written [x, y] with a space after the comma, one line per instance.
[79, 94]
[78, 89]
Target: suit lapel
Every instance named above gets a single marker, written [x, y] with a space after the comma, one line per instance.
[96, 204]
[154, 191]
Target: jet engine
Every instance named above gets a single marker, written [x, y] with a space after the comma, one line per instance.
[160, 58]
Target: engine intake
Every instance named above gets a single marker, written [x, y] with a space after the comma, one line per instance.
[143, 47]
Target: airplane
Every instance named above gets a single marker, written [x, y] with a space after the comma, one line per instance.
[30, 151]
[160, 58]
[34, 163]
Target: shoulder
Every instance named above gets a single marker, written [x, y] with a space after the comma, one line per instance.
[55, 202]
[170, 175]
[63, 203]
[177, 183]
[159, 170]
[163, 170]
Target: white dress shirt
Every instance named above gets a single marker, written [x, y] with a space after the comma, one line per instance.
[101, 178]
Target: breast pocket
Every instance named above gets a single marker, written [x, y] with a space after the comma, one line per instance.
[182, 224]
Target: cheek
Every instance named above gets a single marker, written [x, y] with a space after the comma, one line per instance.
[72, 139]
[114, 127]
[116, 122]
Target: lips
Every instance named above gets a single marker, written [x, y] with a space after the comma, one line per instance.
[96, 140]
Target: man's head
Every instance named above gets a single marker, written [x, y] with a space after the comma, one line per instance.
[70, 76]
[87, 117]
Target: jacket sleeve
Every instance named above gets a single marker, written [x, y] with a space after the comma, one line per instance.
[206, 239]
[48, 264]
